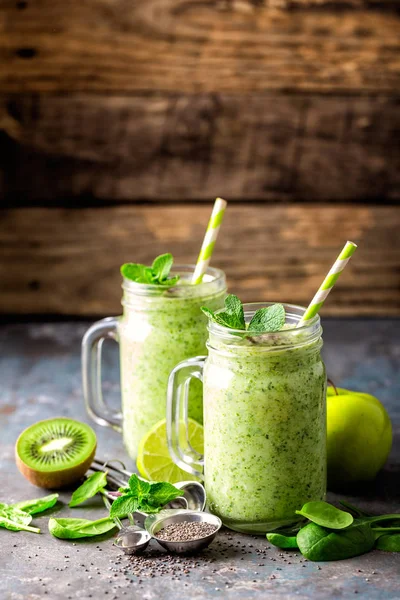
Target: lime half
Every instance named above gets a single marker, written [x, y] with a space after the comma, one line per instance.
[154, 461]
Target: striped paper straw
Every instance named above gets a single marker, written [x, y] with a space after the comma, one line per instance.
[210, 238]
[328, 282]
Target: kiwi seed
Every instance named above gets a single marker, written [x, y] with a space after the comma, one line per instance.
[56, 452]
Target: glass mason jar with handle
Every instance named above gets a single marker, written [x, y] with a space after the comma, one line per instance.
[158, 328]
[264, 421]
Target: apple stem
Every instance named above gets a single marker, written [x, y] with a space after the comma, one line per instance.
[333, 385]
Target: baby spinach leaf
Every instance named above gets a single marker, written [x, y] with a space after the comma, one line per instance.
[282, 541]
[16, 526]
[15, 519]
[389, 543]
[320, 544]
[15, 514]
[71, 529]
[89, 488]
[268, 319]
[326, 515]
[37, 505]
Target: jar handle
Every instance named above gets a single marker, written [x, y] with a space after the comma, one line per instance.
[92, 345]
[180, 449]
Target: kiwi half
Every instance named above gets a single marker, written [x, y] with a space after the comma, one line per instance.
[56, 452]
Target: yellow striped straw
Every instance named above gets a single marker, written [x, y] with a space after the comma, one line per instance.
[328, 282]
[210, 238]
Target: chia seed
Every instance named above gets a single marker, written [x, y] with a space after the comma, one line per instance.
[186, 531]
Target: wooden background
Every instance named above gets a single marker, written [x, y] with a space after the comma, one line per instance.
[121, 120]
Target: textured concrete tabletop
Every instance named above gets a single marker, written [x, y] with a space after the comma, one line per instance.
[40, 378]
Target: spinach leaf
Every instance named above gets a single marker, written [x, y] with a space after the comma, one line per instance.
[389, 543]
[320, 544]
[37, 505]
[326, 515]
[16, 526]
[15, 519]
[89, 488]
[282, 541]
[71, 529]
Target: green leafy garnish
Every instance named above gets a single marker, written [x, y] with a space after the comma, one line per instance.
[321, 544]
[15, 519]
[37, 505]
[282, 541]
[72, 529]
[144, 496]
[389, 543]
[89, 488]
[335, 534]
[271, 318]
[265, 320]
[326, 515]
[157, 274]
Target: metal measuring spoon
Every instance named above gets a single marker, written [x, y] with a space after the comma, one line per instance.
[131, 539]
[154, 523]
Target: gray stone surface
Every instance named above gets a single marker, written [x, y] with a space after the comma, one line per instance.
[40, 378]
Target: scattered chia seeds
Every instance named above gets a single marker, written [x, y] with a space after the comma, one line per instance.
[186, 531]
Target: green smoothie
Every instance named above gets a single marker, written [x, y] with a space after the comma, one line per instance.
[265, 424]
[160, 328]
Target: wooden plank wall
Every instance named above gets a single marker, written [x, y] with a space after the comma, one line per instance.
[120, 121]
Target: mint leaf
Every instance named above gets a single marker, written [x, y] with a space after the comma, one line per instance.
[219, 318]
[137, 272]
[157, 274]
[138, 487]
[169, 282]
[123, 506]
[232, 317]
[89, 488]
[161, 266]
[269, 319]
[234, 308]
[162, 492]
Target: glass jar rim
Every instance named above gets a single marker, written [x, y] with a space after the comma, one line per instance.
[212, 277]
[292, 336]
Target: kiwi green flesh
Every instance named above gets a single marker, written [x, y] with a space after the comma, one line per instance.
[56, 452]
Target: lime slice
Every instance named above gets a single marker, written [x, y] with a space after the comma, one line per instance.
[154, 461]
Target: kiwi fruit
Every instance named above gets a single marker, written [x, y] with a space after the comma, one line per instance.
[56, 452]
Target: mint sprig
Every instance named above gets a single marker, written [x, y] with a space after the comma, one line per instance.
[265, 320]
[144, 496]
[157, 274]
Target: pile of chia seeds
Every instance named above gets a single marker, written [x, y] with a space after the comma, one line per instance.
[186, 531]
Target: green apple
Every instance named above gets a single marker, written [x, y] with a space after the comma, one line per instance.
[359, 437]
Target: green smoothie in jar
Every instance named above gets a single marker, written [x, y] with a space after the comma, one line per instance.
[264, 422]
[158, 329]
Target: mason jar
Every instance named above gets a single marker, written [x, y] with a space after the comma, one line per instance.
[264, 421]
[157, 329]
